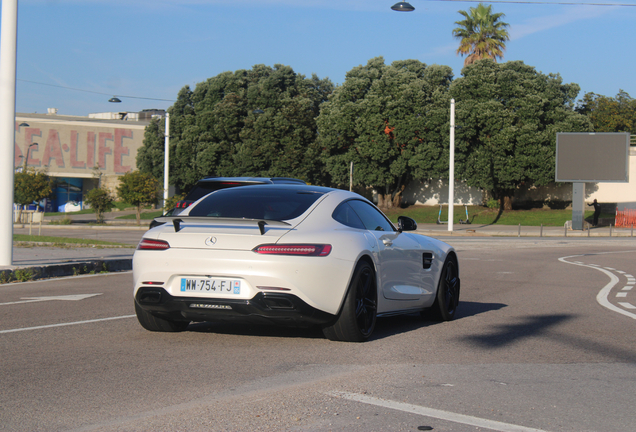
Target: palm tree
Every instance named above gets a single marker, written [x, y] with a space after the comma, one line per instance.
[481, 34]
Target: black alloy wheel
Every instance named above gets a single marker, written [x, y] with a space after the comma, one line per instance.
[358, 315]
[447, 299]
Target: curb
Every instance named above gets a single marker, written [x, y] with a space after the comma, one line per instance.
[23, 274]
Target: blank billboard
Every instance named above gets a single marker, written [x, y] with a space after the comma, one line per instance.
[592, 157]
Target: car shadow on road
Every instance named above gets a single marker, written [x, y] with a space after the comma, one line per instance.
[385, 326]
[267, 330]
[391, 326]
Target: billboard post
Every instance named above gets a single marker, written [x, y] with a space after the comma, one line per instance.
[578, 205]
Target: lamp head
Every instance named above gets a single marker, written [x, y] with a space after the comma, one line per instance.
[403, 7]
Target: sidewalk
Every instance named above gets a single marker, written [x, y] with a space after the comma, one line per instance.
[41, 261]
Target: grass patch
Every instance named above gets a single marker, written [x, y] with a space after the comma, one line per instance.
[148, 215]
[480, 215]
[64, 240]
[85, 211]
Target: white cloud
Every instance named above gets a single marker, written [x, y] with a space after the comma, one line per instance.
[567, 16]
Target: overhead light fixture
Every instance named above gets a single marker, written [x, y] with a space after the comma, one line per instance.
[403, 7]
[114, 99]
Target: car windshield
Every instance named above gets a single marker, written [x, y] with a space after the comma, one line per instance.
[257, 202]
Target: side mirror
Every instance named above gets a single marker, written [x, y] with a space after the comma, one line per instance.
[406, 224]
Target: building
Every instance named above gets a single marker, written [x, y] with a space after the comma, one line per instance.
[80, 152]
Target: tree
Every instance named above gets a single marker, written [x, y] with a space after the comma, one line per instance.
[481, 34]
[138, 189]
[101, 201]
[215, 131]
[617, 114]
[30, 186]
[150, 156]
[508, 116]
[387, 121]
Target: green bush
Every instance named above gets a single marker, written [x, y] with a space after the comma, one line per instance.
[100, 201]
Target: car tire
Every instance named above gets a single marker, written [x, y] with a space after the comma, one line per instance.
[447, 298]
[154, 323]
[357, 317]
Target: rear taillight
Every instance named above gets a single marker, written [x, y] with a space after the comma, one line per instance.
[294, 249]
[149, 244]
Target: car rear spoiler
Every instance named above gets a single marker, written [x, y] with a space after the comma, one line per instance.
[177, 221]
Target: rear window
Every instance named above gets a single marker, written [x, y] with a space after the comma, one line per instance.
[203, 188]
[257, 202]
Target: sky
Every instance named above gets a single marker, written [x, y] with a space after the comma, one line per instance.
[74, 55]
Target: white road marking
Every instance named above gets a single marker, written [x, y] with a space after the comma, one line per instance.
[621, 294]
[435, 413]
[627, 287]
[66, 324]
[74, 297]
[602, 296]
[627, 305]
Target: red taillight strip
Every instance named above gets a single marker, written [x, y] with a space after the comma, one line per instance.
[294, 249]
[149, 244]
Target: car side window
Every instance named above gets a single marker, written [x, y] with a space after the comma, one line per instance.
[346, 216]
[372, 219]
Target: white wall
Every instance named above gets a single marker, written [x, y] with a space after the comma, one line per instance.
[435, 192]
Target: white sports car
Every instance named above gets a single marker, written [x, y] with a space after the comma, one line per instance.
[292, 255]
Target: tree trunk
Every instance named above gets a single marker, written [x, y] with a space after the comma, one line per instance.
[384, 200]
[506, 202]
[138, 214]
[397, 196]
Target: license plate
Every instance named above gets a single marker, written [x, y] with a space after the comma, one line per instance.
[211, 285]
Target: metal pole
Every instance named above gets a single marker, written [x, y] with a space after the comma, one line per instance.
[8, 49]
[541, 232]
[451, 168]
[351, 177]
[166, 164]
[519, 233]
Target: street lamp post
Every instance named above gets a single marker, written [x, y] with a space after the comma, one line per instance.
[406, 7]
[166, 161]
[166, 158]
[8, 51]
[451, 168]
[26, 159]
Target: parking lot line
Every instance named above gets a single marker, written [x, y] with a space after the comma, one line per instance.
[65, 324]
[435, 413]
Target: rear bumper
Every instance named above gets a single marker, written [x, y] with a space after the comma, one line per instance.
[270, 308]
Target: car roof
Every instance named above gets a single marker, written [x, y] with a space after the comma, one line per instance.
[299, 186]
[277, 180]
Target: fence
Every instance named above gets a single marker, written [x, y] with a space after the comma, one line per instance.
[625, 218]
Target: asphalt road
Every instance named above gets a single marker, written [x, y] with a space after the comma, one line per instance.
[544, 340]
